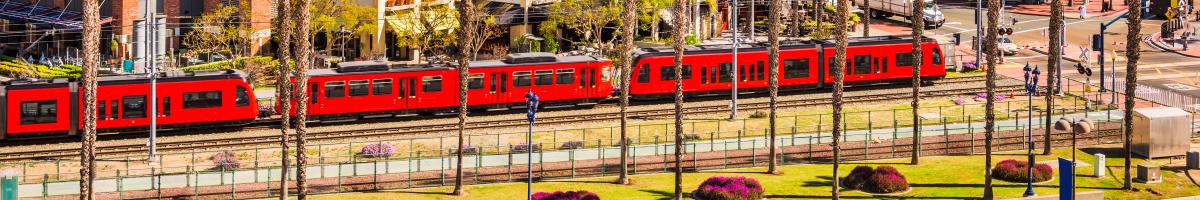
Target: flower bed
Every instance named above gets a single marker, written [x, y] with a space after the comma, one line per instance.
[377, 150]
[881, 180]
[729, 188]
[1016, 171]
[225, 160]
[568, 195]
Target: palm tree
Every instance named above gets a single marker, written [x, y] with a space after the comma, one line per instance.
[91, 60]
[867, 20]
[628, 25]
[990, 105]
[839, 70]
[773, 72]
[677, 38]
[284, 22]
[303, 62]
[918, 30]
[469, 40]
[1132, 52]
[1056, 17]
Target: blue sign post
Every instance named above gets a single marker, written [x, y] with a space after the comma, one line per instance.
[1066, 183]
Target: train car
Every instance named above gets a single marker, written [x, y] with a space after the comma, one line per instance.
[52, 107]
[374, 89]
[708, 70]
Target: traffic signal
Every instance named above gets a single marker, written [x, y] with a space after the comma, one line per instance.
[1097, 45]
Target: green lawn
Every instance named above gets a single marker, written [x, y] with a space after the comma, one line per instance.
[941, 177]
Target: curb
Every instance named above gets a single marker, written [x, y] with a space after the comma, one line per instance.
[1067, 58]
[1158, 45]
[1106, 14]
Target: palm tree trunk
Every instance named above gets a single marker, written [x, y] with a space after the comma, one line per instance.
[1056, 17]
[990, 105]
[1133, 54]
[468, 31]
[679, 29]
[918, 30]
[303, 62]
[839, 73]
[867, 18]
[284, 22]
[773, 80]
[91, 61]
[629, 29]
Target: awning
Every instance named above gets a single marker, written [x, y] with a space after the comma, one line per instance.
[406, 23]
[59, 18]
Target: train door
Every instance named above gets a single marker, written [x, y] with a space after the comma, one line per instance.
[584, 80]
[499, 87]
[405, 92]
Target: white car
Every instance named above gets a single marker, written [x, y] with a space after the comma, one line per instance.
[1006, 46]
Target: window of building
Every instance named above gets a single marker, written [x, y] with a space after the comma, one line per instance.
[381, 86]
[133, 107]
[521, 79]
[862, 64]
[643, 75]
[360, 88]
[206, 99]
[335, 89]
[431, 84]
[543, 77]
[904, 59]
[566, 76]
[241, 96]
[474, 81]
[39, 112]
[797, 68]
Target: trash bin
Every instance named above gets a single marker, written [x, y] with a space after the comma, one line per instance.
[1193, 159]
[8, 185]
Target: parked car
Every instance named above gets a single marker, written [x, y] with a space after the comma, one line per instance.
[886, 8]
[1006, 46]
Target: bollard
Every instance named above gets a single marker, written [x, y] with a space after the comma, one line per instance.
[1099, 169]
[8, 185]
[1193, 159]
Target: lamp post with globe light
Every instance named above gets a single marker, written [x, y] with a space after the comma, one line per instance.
[1031, 80]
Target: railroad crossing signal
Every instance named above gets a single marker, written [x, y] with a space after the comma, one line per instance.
[1086, 71]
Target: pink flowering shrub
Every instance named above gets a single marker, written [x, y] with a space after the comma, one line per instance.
[884, 179]
[377, 150]
[225, 160]
[857, 177]
[960, 101]
[729, 188]
[1016, 171]
[568, 195]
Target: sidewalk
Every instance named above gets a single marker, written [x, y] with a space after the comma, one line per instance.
[1174, 45]
[1093, 9]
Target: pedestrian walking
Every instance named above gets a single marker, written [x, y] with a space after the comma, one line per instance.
[1083, 11]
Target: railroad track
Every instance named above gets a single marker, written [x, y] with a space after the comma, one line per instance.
[227, 143]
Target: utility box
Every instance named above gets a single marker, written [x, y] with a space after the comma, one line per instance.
[1161, 132]
[1148, 174]
[8, 185]
[1193, 160]
[1099, 169]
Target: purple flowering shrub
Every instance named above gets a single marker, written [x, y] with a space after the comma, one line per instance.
[729, 188]
[523, 148]
[970, 65]
[960, 101]
[983, 96]
[568, 195]
[377, 150]
[572, 144]
[1016, 171]
[225, 160]
[467, 149]
[883, 179]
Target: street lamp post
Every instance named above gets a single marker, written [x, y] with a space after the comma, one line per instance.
[532, 103]
[1031, 79]
[736, 41]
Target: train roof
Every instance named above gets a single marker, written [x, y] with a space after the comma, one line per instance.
[168, 76]
[787, 44]
[516, 59]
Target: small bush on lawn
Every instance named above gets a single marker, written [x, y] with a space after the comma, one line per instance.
[571, 145]
[758, 114]
[377, 150]
[970, 66]
[225, 160]
[691, 136]
[883, 179]
[467, 149]
[1016, 171]
[568, 195]
[729, 188]
[523, 148]
[960, 101]
[628, 141]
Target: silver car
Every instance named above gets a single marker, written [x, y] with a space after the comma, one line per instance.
[1006, 46]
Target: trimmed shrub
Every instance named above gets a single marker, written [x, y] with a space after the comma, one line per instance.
[1016, 171]
[467, 149]
[225, 160]
[568, 195]
[857, 177]
[691, 136]
[572, 144]
[523, 148]
[882, 180]
[377, 150]
[970, 66]
[758, 114]
[729, 188]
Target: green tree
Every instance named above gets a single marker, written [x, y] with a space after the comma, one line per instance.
[473, 33]
[649, 15]
[628, 24]
[341, 21]
[430, 28]
[587, 17]
[220, 31]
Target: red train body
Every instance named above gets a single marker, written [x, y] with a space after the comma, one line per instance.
[50, 108]
[870, 60]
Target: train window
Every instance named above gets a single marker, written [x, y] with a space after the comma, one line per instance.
[742, 72]
[521, 79]
[875, 65]
[166, 106]
[937, 56]
[412, 87]
[904, 59]
[431, 84]
[198, 100]
[725, 73]
[666, 73]
[39, 112]
[360, 87]
[885, 65]
[543, 77]
[797, 68]
[687, 72]
[703, 74]
[862, 64]
[760, 71]
[643, 75]
[313, 89]
[114, 107]
[335, 89]
[566, 76]
[133, 107]
[101, 110]
[241, 97]
[475, 81]
[381, 86]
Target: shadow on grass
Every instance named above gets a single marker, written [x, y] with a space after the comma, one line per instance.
[665, 195]
[407, 192]
[578, 181]
[1111, 152]
[860, 197]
